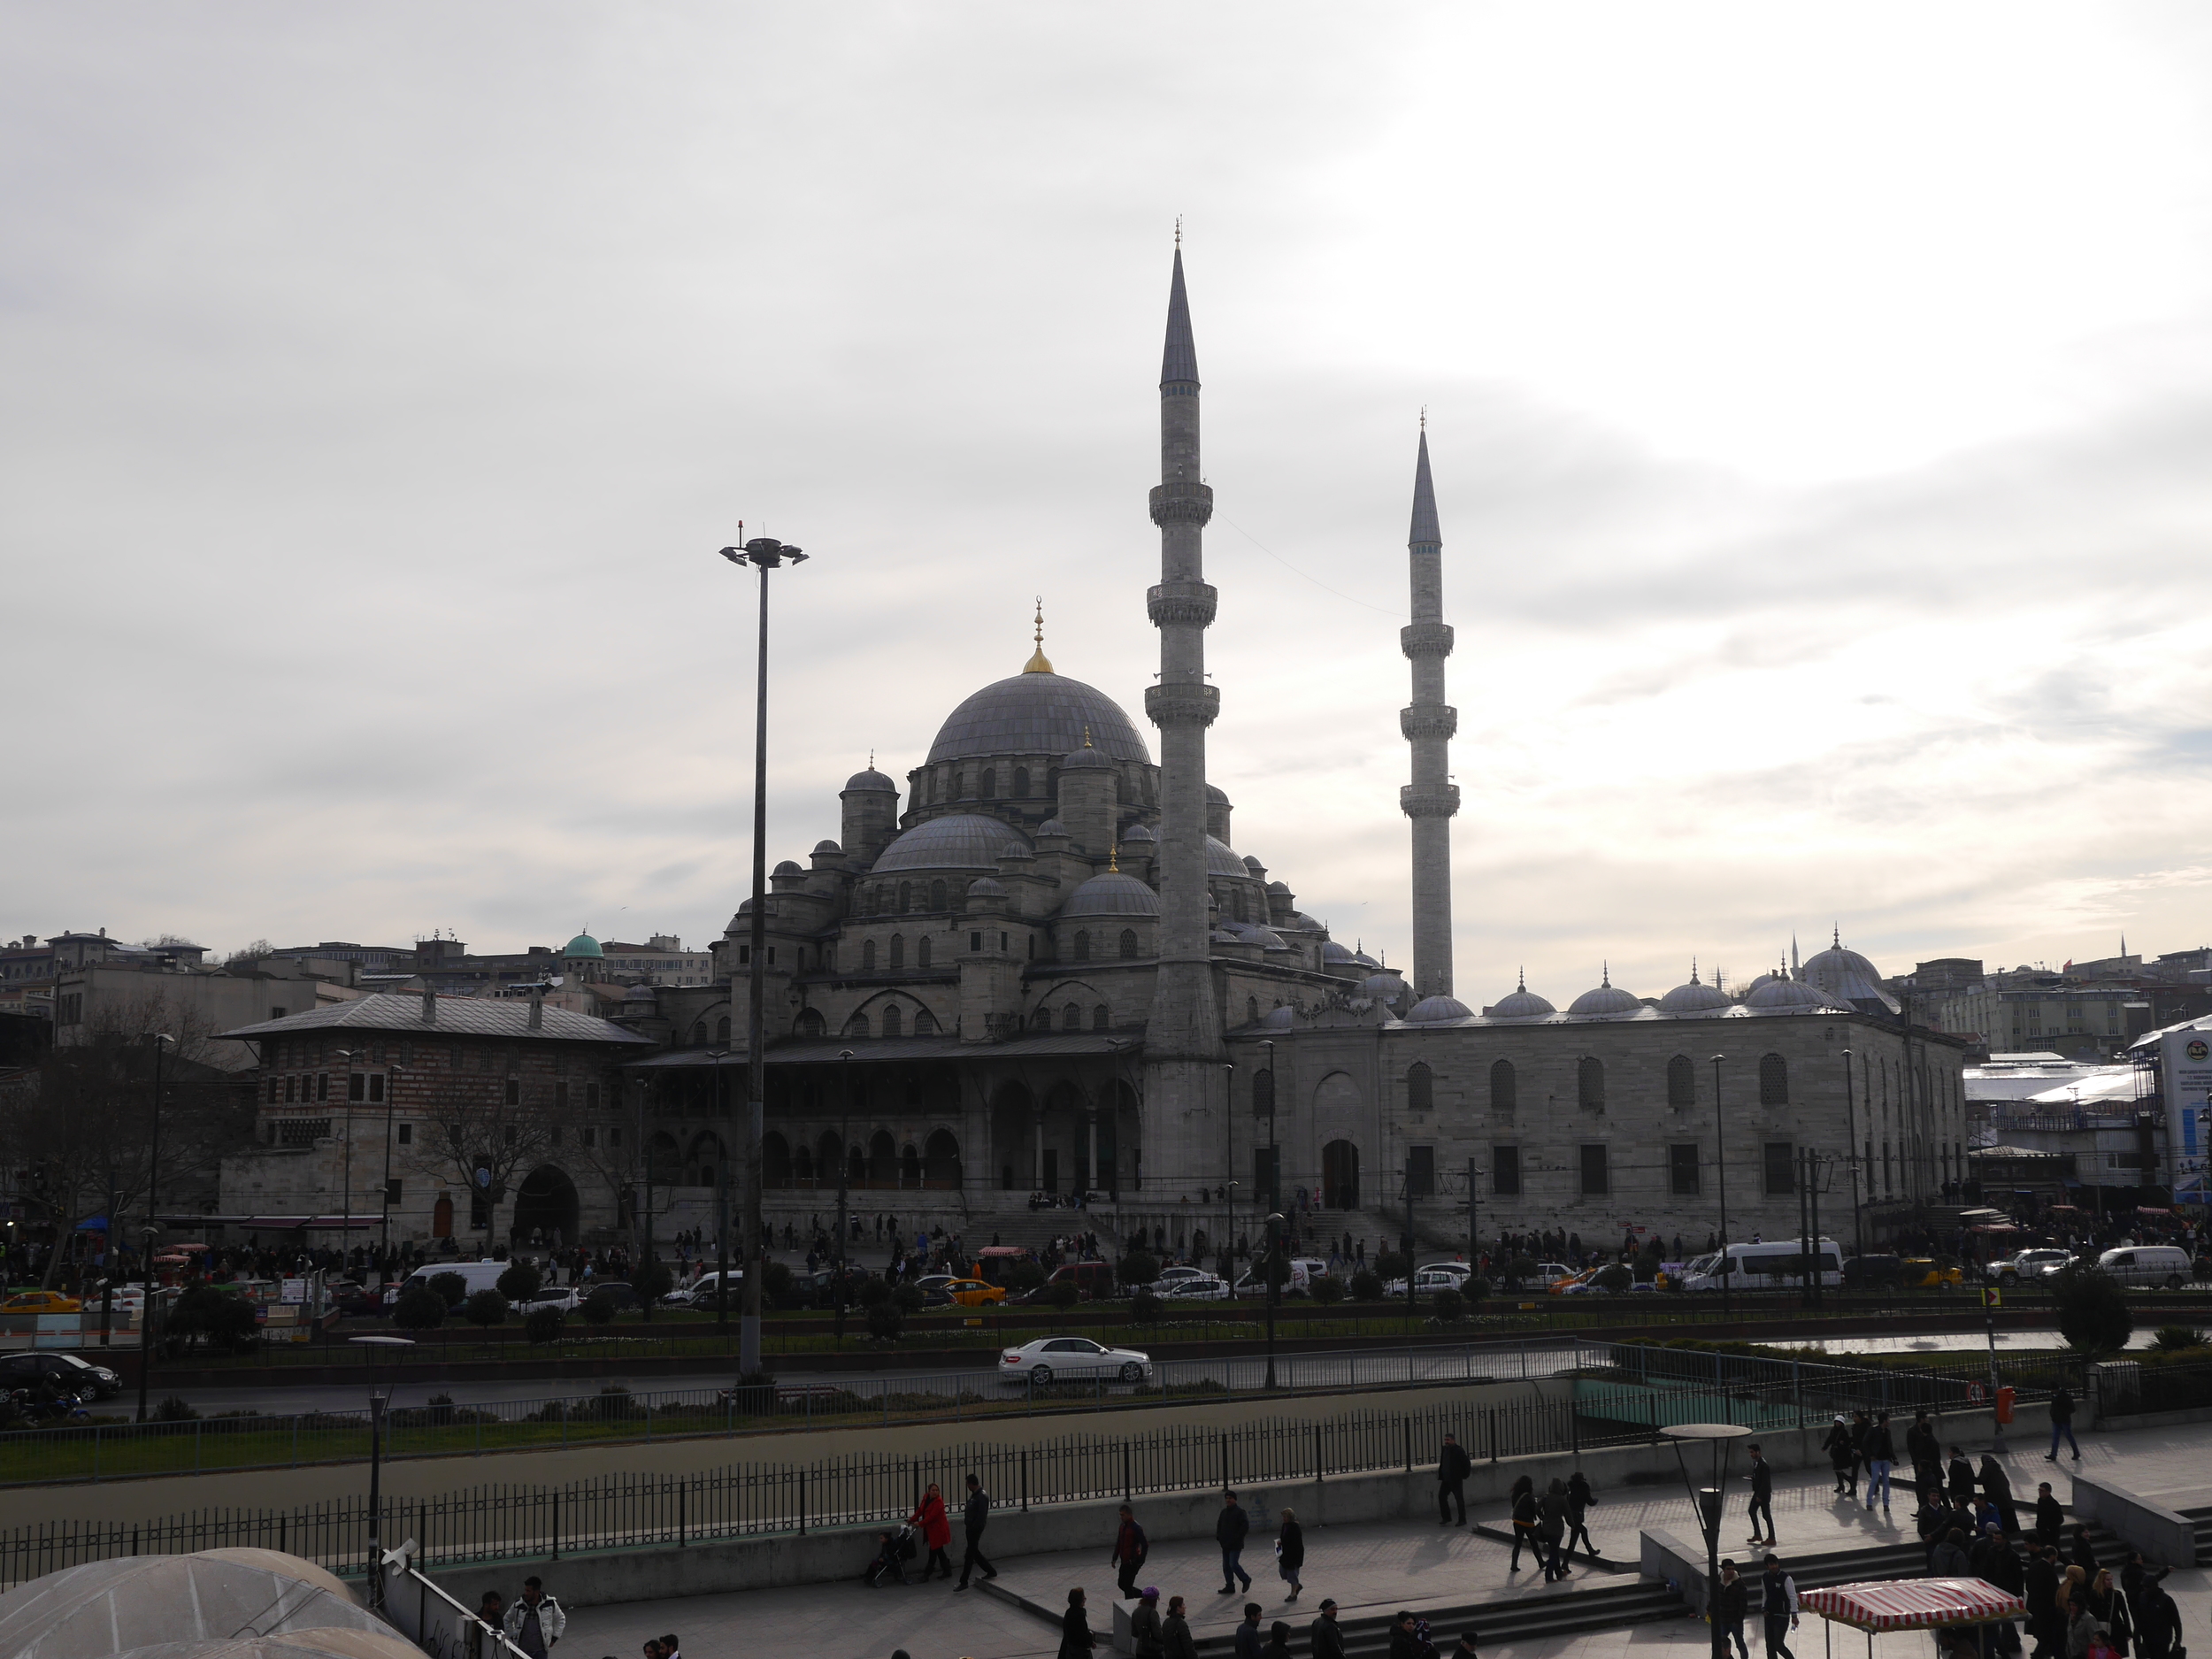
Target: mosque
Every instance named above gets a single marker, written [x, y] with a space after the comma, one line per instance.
[1044, 969]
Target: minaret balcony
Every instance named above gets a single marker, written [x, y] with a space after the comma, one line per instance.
[1437, 720]
[1426, 639]
[1187, 604]
[1167, 705]
[1182, 504]
[1417, 803]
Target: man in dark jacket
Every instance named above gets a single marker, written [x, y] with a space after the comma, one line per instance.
[1960, 1475]
[1076, 1640]
[2063, 1423]
[1926, 1453]
[1251, 1643]
[1778, 1605]
[973, 1518]
[1762, 1495]
[2157, 1620]
[1881, 1456]
[1405, 1642]
[1130, 1549]
[1328, 1635]
[1735, 1602]
[1948, 1559]
[1146, 1640]
[2050, 1519]
[2044, 1626]
[1452, 1466]
[1230, 1531]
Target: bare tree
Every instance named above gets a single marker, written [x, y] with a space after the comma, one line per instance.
[482, 1145]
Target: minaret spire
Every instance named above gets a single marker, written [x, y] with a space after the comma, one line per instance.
[1432, 799]
[1182, 1039]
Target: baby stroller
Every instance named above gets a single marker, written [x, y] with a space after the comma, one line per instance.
[893, 1551]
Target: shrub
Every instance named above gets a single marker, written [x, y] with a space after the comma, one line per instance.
[419, 1308]
[651, 1281]
[1519, 1270]
[1390, 1265]
[1146, 1308]
[1328, 1290]
[598, 1308]
[1367, 1286]
[218, 1318]
[486, 1309]
[874, 1292]
[1137, 1268]
[2170, 1338]
[1450, 1306]
[612, 1403]
[885, 1321]
[1476, 1287]
[908, 1298]
[520, 1282]
[1024, 1275]
[2092, 1310]
[174, 1411]
[1614, 1277]
[451, 1288]
[2201, 1268]
[775, 1286]
[1064, 1294]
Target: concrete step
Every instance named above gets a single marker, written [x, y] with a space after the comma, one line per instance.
[1569, 1609]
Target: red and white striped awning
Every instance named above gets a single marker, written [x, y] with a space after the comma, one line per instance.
[1913, 1603]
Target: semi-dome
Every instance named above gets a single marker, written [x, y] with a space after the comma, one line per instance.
[1037, 714]
[1051, 827]
[1331, 951]
[1605, 1000]
[582, 945]
[1431, 1011]
[1221, 860]
[1279, 1019]
[1282, 888]
[986, 887]
[1085, 759]
[1848, 976]
[1300, 920]
[1781, 996]
[872, 782]
[1016, 850]
[1215, 796]
[1522, 1004]
[638, 994]
[959, 841]
[1112, 893]
[1696, 997]
[1257, 870]
[1384, 987]
[1363, 960]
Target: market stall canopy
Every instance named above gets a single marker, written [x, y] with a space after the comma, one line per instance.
[291, 1644]
[1913, 1603]
[221, 1597]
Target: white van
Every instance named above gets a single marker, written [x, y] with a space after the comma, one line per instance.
[1777, 1266]
[2165, 1264]
[476, 1275]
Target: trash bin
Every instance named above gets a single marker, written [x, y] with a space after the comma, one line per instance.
[2005, 1396]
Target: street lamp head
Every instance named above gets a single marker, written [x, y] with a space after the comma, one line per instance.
[844, 1054]
[765, 551]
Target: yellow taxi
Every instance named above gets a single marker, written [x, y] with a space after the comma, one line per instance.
[1561, 1287]
[42, 1301]
[1922, 1273]
[975, 1293]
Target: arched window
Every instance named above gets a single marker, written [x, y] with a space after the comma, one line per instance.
[722, 1029]
[775, 1162]
[906, 896]
[1021, 783]
[1774, 1080]
[925, 1023]
[883, 1158]
[809, 1022]
[990, 782]
[921, 951]
[909, 1167]
[940, 1159]
[867, 956]
[891, 1022]
[1590, 1081]
[857, 1026]
[1041, 1020]
[1251, 1011]
[1264, 1094]
[1681, 1081]
[1128, 944]
[936, 896]
[1082, 946]
[1101, 1019]
[960, 783]
[898, 951]
[1502, 1089]
[698, 1031]
[828, 1151]
[803, 1165]
[1071, 1018]
[1420, 1087]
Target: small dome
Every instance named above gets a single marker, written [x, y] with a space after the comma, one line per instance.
[985, 887]
[1018, 850]
[1608, 1000]
[1221, 860]
[961, 840]
[1282, 888]
[638, 994]
[1051, 827]
[1848, 976]
[1781, 996]
[1522, 1004]
[1435, 1009]
[872, 782]
[1279, 1019]
[788, 868]
[1255, 866]
[1214, 797]
[1299, 918]
[583, 945]
[827, 847]
[1696, 997]
[1384, 987]
[1138, 832]
[1331, 951]
[1085, 760]
[1364, 960]
[1112, 893]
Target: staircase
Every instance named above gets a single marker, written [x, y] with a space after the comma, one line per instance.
[1565, 1609]
[2202, 1519]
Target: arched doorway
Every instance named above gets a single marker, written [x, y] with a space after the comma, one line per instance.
[1340, 1175]
[941, 1160]
[441, 1218]
[883, 1160]
[545, 1204]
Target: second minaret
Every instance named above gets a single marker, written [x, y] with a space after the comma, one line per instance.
[1432, 799]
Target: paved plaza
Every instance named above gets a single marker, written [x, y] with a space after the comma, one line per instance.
[1372, 1567]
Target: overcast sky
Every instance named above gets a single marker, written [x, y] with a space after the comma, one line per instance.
[1821, 403]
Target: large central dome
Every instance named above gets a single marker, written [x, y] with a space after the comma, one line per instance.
[1037, 714]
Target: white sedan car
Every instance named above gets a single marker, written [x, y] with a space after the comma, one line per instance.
[1060, 1358]
[1189, 1284]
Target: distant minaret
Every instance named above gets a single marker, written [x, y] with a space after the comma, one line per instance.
[1182, 1039]
[1432, 799]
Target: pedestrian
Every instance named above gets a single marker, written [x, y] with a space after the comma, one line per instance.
[536, 1621]
[1452, 1466]
[2081, 1632]
[1328, 1635]
[1961, 1476]
[1581, 1500]
[491, 1614]
[2063, 1423]
[1997, 1489]
[1762, 1495]
[1290, 1553]
[1405, 1643]
[671, 1648]
[1130, 1549]
[1175, 1641]
[2109, 1609]
[1551, 1529]
[1466, 1647]
[1076, 1640]
[2045, 1628]
[974, 1516]
[1778, 1605]
[1230, 1528]
[1250, 1643]
[1523, 1500]
[2157, 1620]
[2050, 1519]
[1926, 1453]
[1147, 1638]
[936, 1528]
[1278, 1642]
[1881, 1458]
[2084, 1554]
[1735, 1602]
[1841, 1458]
[1948, 1559]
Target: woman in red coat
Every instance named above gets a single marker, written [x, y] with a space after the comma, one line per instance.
[936, 1527]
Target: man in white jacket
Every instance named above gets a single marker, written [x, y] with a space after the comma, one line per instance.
[535, 1622]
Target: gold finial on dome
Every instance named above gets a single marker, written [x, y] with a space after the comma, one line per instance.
[1039, 663]
[1113, 861]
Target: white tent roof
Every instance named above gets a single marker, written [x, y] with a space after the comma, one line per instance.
[173, 1602]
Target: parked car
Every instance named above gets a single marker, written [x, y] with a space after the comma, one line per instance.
[1191, 1285]
[1432, 1278]
[474, 1276]
[41, 1302]
[1874, 1272]
[705, 1290]
[1303, 1270]
[1923, 1273]
[1059, 1358]
[1170, 1276]
[1094, 1279]
[59, 1368]
[563, 1299]
[2025, 1265]
[2162, 1265]
[973, 1293]
[355, 1300]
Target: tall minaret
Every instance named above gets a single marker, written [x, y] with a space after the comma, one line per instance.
[1182, 1040]
[1432, 799]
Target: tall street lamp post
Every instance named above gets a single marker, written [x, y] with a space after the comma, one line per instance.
[1229, 1177]
[1851, 1129]
[153, 1182]
[844, 1170]
[379, 1398]
[1710, 1501]
[1474, 1233]
[765, 553]
[722, 1200]
[1274, 1284]
[384, 1209]
[1720, 1165]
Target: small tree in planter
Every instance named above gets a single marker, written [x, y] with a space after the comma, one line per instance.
[885, 1322]
[544, 1325]
[451, 1288]
[419, 1308]
[1066, 1293]
[1146, 1308]
[599, 1307]
[1450, 1306]
[1367, 1286]
[521, 1282]
[2092, 1310]
[1328, 1290]
[1136, 1269]
[1614, 1277]
[486, 1309]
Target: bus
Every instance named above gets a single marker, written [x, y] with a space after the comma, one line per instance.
[1777, 1266]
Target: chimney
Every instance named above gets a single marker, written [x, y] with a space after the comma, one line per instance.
[537, 1008]
[429, 1006]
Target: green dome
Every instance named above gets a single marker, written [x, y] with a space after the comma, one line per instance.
[583, 945]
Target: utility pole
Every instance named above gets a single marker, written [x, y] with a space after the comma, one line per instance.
[844, 1167]
[1720, 1165]
[153, 1179]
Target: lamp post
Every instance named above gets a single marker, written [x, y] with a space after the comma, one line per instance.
[384, 1222]
[1710, 1502]
[345, 1221]
[153, 1182]
[1851, 1150]
[722, 1201]
[1229, 1177]
[844, 1168]
[765, 553]
[379, 1398]
[1720, 1164]
[1474, 1233]
[1274, 1286]
[1274, 1156]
